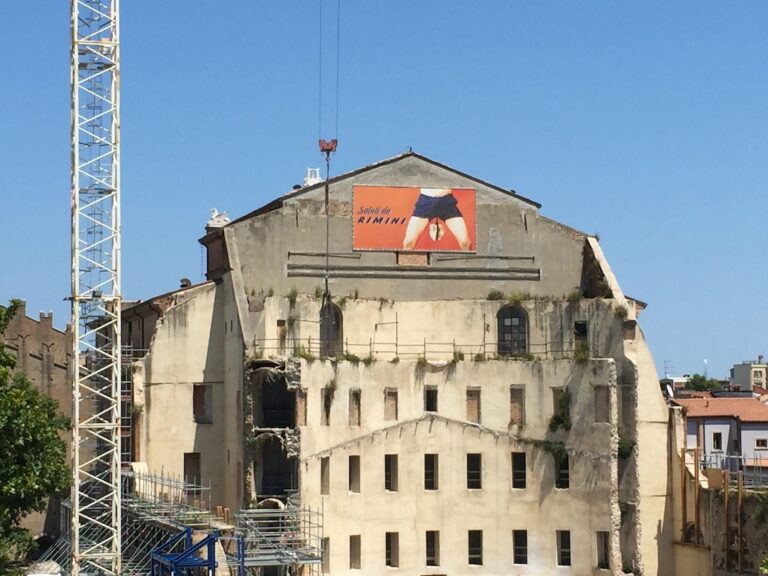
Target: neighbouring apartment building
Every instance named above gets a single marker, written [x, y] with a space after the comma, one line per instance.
[747, 375]
[43, 355]
[456, 381]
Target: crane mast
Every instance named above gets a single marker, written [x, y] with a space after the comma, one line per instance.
[96, 300]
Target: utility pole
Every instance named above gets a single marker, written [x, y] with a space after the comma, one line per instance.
[96, 300]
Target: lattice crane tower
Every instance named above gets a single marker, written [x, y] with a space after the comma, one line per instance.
[96, 286]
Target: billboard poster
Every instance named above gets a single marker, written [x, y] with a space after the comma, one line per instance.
[413, 219]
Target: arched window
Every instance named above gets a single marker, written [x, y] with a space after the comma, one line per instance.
[331, 329]
[513, 331]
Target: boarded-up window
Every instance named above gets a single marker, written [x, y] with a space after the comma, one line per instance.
[354, 552]
[281, 335]
[331, 329]
[354, 407]
[301, 407]
[601, 404]
[390, 404]
[354, 474]
[558, 402]
[517, 405]
[325, 476]
[202, 406]
[473, 405]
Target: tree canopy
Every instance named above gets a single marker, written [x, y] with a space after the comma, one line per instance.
[701, 382]
[32, 453]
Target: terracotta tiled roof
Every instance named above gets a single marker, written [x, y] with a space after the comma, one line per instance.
[759, 390]
[745, 409]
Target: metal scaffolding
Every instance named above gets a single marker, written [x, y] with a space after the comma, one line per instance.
[95, 62]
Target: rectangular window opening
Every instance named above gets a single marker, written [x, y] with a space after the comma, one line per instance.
[354, 552]
[433, 548]
[390, 472]
[325, 476]
[563, 548]
[563, 473]
[430, 399]
[580, 331]
[192, 468]
[761, 443]
[475, 547]
[603, 550]
[354, 407]
[520, 546]
[717, 441]
[392, 542]
[474, 471]
[354, 474]
[326, 556]
[390, 404]
[516, 405]
[518, 470]
[326, 399]
[202, 405]
[431, 472]
[473, 405]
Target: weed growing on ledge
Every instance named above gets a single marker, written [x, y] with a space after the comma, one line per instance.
[395, 360]
[496, 295]
[575, 296]
[582, 353]
[352, 358]
[319, 291]
[368, 360]
[621, 311]
[292, 295]
[562, 418]
[625, 448]
[302, 352]
[556, 449]
[479, 357]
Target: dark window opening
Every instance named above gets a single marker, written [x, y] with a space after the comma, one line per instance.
[717, 441]
[275, 473]
[354, 474]
[520, 546]
[202, 404]
[390, 472]
[563, 474]
[518, 470]
[192, 472]
[354, 552]
[278, 403]
[580, 332]
[603, 550]
[433, 548]
[331, 329]
[392, 553]
[430, 399]
[431, 473]
[512, 331]
[563, 548]
[475, 547]
[474, 471]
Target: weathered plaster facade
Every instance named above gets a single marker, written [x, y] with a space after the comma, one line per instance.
[284, 419]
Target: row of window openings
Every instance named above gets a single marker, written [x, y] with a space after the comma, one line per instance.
[474, 549]
[717, 442]
[473, 404]
[511, 322]
[474, 472]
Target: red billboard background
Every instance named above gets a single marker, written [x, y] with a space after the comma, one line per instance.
[381, 215]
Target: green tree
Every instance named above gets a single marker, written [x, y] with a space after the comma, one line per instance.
[701, 383]
[32, 453]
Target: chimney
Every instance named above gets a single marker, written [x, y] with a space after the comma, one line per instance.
[759, 358]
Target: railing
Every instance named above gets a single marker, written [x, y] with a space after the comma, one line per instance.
[478, 351]
[753, 470]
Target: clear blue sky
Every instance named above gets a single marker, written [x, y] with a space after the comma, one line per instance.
[646, 123]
